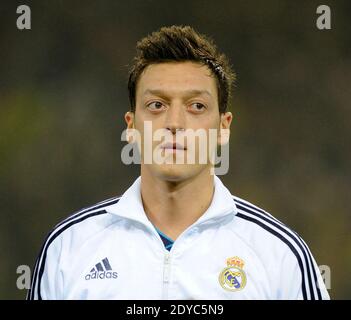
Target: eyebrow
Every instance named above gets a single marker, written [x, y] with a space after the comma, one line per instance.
[163, 93]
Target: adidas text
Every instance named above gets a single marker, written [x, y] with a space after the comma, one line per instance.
[101, 275]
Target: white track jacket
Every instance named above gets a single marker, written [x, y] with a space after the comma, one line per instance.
[235, 250]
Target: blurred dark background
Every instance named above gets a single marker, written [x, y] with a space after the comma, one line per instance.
[63, 96]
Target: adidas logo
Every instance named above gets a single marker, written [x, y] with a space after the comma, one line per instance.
[102, 270]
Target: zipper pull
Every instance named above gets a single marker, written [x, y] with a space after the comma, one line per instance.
[166, 267]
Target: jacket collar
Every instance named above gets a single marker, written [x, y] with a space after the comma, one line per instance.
[130, 205]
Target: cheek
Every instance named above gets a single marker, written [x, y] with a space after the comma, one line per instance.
[147, 129]
[138, 124]
[207, 123]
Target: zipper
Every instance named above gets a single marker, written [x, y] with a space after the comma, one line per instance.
[167, 256]
[166, 275]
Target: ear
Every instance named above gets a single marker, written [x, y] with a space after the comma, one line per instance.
[129, 119]
[224, 130]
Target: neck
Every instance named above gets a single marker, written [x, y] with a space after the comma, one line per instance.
[172, 206]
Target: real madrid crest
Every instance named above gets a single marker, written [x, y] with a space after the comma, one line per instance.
[233, 277]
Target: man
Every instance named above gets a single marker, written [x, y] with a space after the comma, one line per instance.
[177, 232]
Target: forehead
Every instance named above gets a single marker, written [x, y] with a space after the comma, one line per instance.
[177, 77]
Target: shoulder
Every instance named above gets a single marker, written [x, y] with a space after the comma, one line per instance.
[63, 239]
[82, 224]
[278, 246]
[264, 227]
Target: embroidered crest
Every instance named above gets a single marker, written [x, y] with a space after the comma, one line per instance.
[233, 277]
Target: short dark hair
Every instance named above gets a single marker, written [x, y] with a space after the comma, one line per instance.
[180, 44]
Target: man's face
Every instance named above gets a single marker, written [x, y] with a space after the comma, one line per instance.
[177, 98]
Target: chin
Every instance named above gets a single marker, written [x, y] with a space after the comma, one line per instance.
[177, 172]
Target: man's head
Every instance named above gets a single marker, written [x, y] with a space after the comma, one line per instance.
[179, 83]
[180, 44]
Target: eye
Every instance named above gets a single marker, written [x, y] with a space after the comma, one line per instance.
[155, 106]
[197, 107]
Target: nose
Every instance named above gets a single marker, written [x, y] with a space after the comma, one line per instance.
[175, 118]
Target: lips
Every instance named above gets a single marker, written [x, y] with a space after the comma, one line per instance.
[173, 146]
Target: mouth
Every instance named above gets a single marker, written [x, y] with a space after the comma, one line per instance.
[172, 146]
